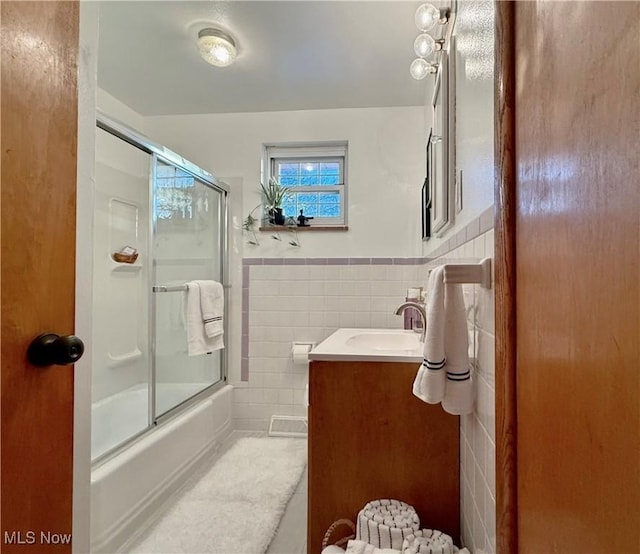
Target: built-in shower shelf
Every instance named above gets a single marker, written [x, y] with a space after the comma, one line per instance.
[124, 359]
[116, 266]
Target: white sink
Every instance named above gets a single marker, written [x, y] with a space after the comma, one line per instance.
[374, 345]
[384, 341]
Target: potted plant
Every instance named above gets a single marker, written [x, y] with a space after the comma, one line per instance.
[273, 195]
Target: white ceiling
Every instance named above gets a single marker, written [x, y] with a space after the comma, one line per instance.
[293, 55]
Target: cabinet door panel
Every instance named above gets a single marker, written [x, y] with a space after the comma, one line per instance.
[370, 438]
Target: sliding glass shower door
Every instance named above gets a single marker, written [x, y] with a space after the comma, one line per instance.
[188, 216]
[174, 215]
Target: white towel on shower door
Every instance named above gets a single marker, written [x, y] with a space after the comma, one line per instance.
[197, 340]
[212, 305]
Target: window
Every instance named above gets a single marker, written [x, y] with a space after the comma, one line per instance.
[317, 175]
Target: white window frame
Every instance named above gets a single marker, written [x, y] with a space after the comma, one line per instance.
[312, 152]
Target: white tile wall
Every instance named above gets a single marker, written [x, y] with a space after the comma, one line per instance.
[477, 430]
[307, 303]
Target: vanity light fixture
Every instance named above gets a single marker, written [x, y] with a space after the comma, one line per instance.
[426, 18]
[216, 47]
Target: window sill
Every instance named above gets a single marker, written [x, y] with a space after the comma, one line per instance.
[272, 228]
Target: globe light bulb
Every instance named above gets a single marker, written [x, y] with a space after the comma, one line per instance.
[426, 17]
[420, 68]
[424, 45]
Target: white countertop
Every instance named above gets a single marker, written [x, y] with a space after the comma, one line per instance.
[370, 345]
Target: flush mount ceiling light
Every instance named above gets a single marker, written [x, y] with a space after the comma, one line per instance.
[216, 47]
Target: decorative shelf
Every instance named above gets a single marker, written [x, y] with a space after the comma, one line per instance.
[278, 228]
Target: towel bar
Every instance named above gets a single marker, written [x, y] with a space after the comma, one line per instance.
[479, 273]
[175, 288]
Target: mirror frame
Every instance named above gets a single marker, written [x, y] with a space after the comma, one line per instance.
[442, 146]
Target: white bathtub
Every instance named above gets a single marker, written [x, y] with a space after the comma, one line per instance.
[118, 417]
[128, 488]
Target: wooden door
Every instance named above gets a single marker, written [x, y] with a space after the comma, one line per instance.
[39, 127]
[577, 224]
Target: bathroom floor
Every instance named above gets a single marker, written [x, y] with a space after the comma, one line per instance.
[290, 536]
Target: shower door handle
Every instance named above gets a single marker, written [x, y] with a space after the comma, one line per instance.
[51, 349]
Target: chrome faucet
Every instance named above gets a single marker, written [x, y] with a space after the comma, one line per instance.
[402, 307]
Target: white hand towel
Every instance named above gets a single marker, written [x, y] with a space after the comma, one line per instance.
[458, 396]
[429, 384]
[197, 340]
[212, 304]
[361, 547]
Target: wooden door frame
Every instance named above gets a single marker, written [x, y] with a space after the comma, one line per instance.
[505, 278]
[85, 191]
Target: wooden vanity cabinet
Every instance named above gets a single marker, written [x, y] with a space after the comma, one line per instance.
[370, 438]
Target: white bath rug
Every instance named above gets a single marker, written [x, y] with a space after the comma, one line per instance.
[237, 506]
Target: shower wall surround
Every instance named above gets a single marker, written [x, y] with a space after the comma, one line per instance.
[120, 346]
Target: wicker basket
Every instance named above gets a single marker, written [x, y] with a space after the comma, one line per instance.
[124, 258]
[327, 540]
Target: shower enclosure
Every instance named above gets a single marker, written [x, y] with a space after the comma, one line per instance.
[175, 215]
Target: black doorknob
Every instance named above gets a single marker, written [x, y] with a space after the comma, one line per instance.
[51, 349]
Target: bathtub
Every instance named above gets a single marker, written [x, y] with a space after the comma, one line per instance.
[128, 488]
[118, 417]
